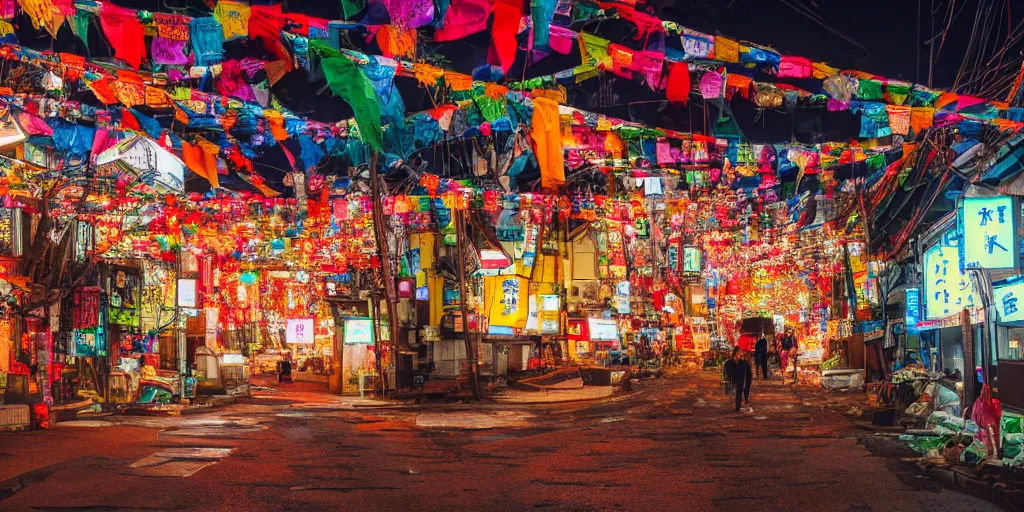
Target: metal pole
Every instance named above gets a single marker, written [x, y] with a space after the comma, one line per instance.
[375, 311]
[179, 333]
[335, 381]
[983, 279]
[970, 378]
[460, 262]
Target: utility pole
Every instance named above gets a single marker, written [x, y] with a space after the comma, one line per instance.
[460, 235]
[179, 333]
[385, 267]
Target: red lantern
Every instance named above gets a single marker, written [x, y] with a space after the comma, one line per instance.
[431, 182]
[491, 201]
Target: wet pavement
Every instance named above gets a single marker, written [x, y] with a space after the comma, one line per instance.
[676, 445]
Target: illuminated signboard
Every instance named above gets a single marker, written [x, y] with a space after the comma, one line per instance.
[947, 290]
[691, 259]
[358, 331]
[913, 315]
[1008, 298]
[187, 293]
[603, 330]
[299, 331]
[989, 226]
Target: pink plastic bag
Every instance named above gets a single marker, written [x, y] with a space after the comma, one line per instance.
[987, 412]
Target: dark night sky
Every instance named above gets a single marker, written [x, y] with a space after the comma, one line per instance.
[886, 28]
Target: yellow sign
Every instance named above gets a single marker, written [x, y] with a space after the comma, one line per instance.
[506, 300]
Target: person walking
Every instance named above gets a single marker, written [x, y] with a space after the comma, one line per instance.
[787, 342]
[761, 356]
[728, 369]
[742, 375]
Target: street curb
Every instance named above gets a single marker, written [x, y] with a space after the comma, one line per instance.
[494, 404]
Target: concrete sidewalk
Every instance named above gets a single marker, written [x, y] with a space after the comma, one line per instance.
[554, 396]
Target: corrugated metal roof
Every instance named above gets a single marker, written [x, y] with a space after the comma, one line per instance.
[1014, 187]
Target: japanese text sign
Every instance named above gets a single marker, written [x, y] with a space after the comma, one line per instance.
[1009, 300]
[989, 228]
[913, 303]
[947, 289]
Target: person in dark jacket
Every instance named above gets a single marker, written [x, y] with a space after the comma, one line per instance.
[742, 375]
[761, 356]
[728, 369]
[284, 370]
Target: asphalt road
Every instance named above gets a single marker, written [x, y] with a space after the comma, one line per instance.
[676, 445]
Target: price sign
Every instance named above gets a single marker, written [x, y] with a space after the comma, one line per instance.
[299, 331]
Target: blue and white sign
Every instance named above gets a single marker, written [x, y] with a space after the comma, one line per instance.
[989, 226]
[1009, 299]
[913, 315]
[947, 290]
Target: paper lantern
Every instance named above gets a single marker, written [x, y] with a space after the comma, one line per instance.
[431, 183]
[405, 288]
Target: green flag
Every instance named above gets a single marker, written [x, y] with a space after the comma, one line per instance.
[349, 8]
[350, 83]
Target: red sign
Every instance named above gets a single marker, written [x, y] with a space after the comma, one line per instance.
[578, 329]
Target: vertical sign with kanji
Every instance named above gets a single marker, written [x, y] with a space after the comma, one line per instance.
[989, 226]
[947, 290]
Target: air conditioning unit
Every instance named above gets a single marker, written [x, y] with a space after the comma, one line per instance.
[14, 417]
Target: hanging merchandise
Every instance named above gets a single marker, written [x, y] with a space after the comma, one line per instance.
[547, 141]
[125, 33]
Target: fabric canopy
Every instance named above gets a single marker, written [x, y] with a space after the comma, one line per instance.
[350, 83]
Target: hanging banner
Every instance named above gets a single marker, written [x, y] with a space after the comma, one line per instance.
[947, 289]
[989, 227]
[212, 315]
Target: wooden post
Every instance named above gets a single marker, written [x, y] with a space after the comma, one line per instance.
[970, 377]
[459, 218]
[385, 268]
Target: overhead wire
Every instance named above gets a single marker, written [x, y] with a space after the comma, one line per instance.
[811, 16]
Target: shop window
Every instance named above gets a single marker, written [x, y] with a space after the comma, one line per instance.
[1011, 346]
[584, 259]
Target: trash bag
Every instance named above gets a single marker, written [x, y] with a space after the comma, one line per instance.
[1012, 424]
[925, 444]
[986, 412]
[1013, 445]
[947, 400]
[945, 423]
[975, 453]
